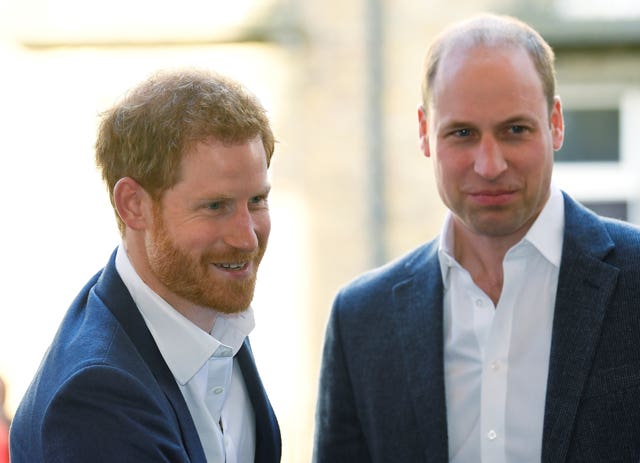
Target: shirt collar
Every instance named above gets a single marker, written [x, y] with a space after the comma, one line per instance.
[445, 248]
[183, 345]
[546, 234]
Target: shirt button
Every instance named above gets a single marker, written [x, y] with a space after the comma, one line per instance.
[495, 366]
[492, 435]
[479, 303]
[217, 390]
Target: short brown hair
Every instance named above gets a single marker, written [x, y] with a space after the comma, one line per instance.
[491, 30]
[145, 135]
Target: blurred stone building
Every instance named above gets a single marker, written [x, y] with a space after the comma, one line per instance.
[351, 189]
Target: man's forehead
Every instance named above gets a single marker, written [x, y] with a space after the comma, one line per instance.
[457, 59]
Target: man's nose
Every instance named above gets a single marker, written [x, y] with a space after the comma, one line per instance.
[241, 233]
[489, 161]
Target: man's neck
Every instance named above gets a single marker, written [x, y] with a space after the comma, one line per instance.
[482, 256]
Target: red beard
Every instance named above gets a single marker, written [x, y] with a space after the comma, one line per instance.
[193, 279]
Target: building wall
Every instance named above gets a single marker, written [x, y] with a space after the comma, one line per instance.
[308, 62]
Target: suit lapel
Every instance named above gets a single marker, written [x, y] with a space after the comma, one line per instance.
[417, 312]
[116, 297]
[268, 446]
[585, 285]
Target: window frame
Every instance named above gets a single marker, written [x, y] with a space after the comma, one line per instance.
[609, 181]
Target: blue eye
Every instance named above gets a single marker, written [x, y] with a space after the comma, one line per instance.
[462, 132]
[214, 206]
[258, 199]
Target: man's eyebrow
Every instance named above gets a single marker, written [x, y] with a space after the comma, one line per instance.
[519, 118]
[455, 124]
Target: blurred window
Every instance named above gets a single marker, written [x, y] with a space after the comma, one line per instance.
[599, 163]
[591, 135]
[611, 9]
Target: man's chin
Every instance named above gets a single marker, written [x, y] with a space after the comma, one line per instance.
[222, 297]
[231, 306]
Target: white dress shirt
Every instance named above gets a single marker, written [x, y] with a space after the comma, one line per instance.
[497, 357]
[204, 368]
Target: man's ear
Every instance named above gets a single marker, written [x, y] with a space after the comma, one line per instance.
[132, 203]
[423, 131]
[557, 124]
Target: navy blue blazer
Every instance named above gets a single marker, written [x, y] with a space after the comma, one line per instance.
[382, 393]
[103, 392]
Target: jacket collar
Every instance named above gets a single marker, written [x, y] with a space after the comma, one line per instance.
[268, 443]
[417, 302]
[117, 299]
[585, 285]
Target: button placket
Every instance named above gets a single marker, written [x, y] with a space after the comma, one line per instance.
[219, 377]
[494, 385]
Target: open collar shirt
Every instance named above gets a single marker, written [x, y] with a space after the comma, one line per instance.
[204, 367]
[497, 357]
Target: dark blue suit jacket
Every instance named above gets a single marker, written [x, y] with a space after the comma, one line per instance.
[382, 395]
[103, 392]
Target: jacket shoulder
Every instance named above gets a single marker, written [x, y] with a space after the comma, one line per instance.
[615, 241]
[87, 415]
[374, 288]
[94, 391]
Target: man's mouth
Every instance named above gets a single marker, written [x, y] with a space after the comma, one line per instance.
[232, 266]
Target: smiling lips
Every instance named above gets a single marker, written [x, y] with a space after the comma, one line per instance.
[492, 197]
[233, 267]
